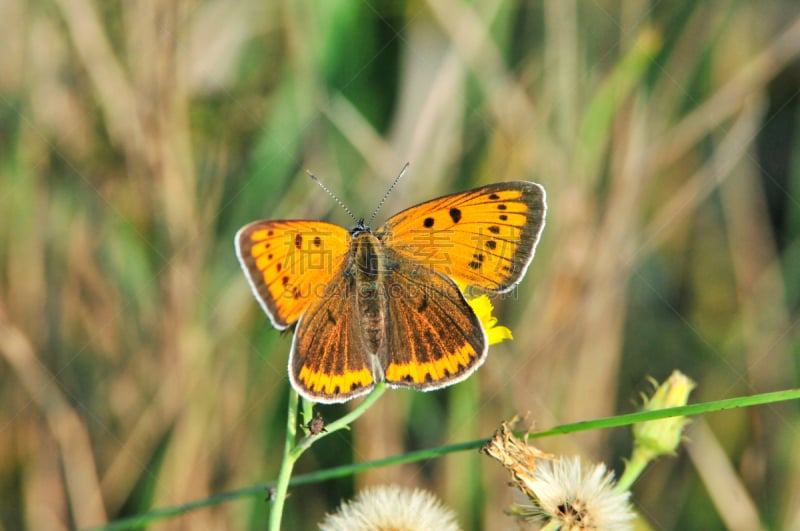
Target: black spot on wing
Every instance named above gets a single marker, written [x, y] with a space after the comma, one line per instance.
[455, 215]
[423, 304]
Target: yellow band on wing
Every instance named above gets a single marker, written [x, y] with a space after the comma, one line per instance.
[330, 384]
[447, 365]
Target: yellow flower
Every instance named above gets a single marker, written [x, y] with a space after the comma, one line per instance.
[659, 437]
[483, 308]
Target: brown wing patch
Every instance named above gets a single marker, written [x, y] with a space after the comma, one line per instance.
[328, 361]
[434, 338]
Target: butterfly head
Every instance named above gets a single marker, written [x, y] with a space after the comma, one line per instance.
[360, 228]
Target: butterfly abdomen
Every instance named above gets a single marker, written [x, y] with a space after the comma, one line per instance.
[370, 293]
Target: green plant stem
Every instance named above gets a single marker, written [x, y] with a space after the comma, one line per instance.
[633, 469]
[292, 450]
[285, 473]
[308, 411]
[341, 423]
[148, 518]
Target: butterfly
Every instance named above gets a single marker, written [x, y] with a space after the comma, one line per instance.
[385, 305]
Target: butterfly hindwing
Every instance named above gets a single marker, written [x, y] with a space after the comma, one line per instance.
[289, 263]
[484, 237]
[328, 361]
[434, 339]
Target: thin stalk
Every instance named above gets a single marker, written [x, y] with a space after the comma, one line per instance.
[287, 464]
[163, 513]
[308, 410]
[292, 450]
[633, 469]
[342, 423]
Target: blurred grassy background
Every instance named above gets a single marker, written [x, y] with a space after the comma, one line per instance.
[137, 371]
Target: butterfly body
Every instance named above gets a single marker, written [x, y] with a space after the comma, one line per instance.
[369, 271]
[384, 305]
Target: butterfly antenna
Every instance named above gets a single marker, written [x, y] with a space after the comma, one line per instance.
[389, 191]
[338, 201]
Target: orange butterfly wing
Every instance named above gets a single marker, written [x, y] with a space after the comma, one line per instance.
[434, 338]
[328, 361]
[485, 237]
[289, 264]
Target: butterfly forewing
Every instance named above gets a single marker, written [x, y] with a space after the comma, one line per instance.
[484, 237]
[290, 263]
